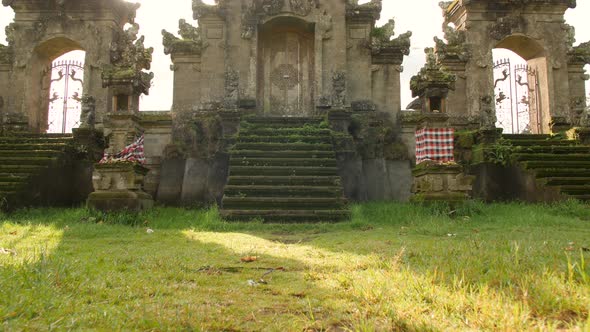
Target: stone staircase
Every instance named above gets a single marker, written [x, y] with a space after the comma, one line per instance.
[284, 170]
[559, 164]
[23, 158]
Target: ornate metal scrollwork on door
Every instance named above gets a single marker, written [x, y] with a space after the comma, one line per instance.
[517, 98]
[65, 96]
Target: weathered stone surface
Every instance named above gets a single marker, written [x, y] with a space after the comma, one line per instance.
[119, 186]
[44, 30]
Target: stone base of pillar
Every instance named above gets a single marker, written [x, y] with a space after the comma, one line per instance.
[118, 186]
[441, 183]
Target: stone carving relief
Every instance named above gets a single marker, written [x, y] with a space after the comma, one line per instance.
[285, 76]
[382, 38]
[129, 58]
[580, 54]
[325, 25]
[232, 86]
[338, 88]
[488, 113]
[191, 40]
[455, 47]
[257, 10]
[201, 9]
[507, 25]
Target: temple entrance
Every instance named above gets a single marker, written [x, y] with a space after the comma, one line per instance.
[517, 95]
[520, 86]
[286, 67]
[65, 94]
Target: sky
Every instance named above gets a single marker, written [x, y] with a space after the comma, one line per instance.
[422, 17]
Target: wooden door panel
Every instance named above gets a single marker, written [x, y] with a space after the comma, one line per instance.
[288, 62]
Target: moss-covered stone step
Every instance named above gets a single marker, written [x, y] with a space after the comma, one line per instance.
[282, 171]
[554, 149]
[285, 180]
[527, 136]
[564, 172]
[33, 135]
[296, 162]
[285, 139]
[20, 169]
[576, 189]
[555, 164]
[28, 153]
[33, 146]
[11, 186]
[300, 121]
[286, 216]
[282, 191]
[284, 132]
[525, 142]
[551, 157]
[561, 181]
[282, 154]
[283, 147]
[27, 160]
[33, 140]
[10, 177]
[285, 203]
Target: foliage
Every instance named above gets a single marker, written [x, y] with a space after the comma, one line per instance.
[500, 152]
[508, 267]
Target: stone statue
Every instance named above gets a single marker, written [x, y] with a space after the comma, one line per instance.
[488, 113]
[88, 115]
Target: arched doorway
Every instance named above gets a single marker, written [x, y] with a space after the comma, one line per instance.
[286, 67]
[57, 67]
[520, 86]
[65, 92]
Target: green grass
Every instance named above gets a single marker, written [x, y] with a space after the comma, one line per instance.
[393, 267]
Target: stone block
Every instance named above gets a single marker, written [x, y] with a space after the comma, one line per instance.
[118, 186]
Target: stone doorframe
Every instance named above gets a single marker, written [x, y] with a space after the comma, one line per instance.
[535, 31]
[45, 30]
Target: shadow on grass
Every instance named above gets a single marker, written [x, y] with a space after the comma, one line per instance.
[115, 276]
[395, 266]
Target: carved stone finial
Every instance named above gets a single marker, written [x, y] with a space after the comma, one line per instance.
[432, 76]
[382, 39]
[580, 54]
[455, 47]
[191, 42]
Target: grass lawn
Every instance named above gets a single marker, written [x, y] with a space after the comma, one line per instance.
[393, 267]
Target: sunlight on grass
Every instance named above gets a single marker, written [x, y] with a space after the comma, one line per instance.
[27, 244]
[501, 267]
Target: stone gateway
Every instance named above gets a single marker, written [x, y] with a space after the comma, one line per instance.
[288, 110]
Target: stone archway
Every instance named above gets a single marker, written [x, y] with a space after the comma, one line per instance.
[40, 64]
[528, 84]
[536, 31]
[44, 30]
[286, 67]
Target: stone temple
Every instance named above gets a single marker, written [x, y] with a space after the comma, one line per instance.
[289, 110]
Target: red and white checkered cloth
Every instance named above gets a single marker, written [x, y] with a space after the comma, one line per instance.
[436, 144]
[132, 153]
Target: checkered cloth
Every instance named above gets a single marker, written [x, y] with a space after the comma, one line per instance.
[436, 144]
[132, 153]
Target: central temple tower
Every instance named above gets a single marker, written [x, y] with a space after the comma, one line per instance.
[286, 57]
